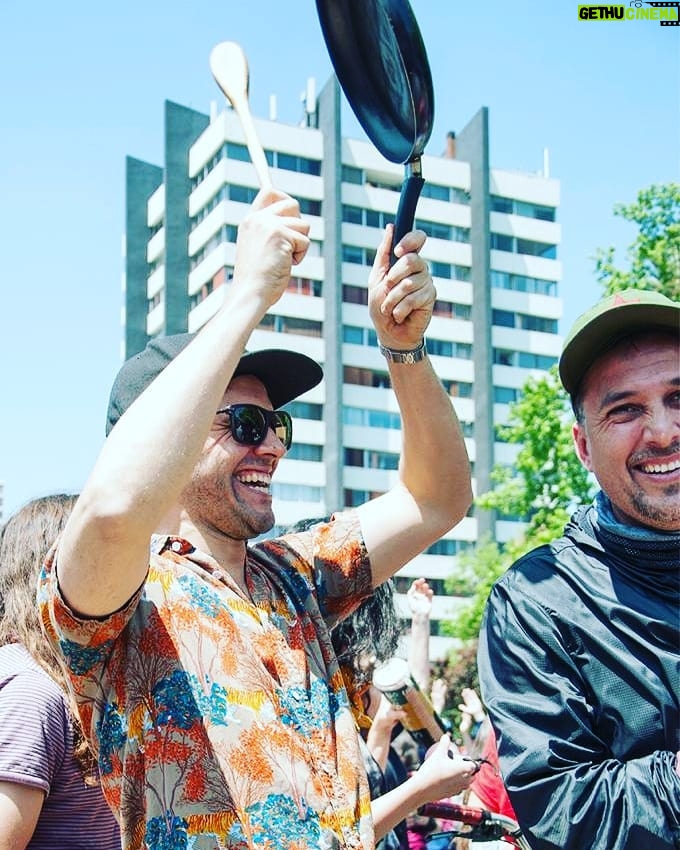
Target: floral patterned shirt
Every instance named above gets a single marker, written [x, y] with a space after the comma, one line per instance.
[221, 721]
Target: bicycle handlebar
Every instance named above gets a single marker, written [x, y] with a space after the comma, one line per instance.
[475, 817]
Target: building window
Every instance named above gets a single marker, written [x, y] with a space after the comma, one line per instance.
[435, 229]
[354, 294]
[537, 249]
[523, 208]
[366, 418]
[368, 459]
[241, 194]
[354, 457]
[296, 492]
[305, 286]
[305, 451]
[238, 152]
[521, 283]
[365, 377]
[536, 361]
[452, 310]
[439, 193]
[352, 215]
[152, 303]
[276, 159]
[350, 174]
[501, 205]
[309, 206]
[442, 270]
[537, 323]
[354, 498]
[501, 357]
[523, 359]
[301, 164]
[503, 318]
[359, 336]
[370, 218]
[539, 211]
[226, 233]
[523, 321]
[360, 256]
[352, 254]
[447, 348]
[501, 242]
[458, 389]
[291, 325]
[305, 410]
[447, 547]
[221, 276]
[504, 395]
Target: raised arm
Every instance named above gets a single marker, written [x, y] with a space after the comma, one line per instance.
[149, 455]
[434, 491]
[419, 597]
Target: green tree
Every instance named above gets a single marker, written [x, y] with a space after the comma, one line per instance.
[654, 256]
[547, 480]
[479, 567]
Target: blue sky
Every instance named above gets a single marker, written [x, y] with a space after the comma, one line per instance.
[83, 85]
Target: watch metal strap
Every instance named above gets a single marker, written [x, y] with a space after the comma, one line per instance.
[414, 355]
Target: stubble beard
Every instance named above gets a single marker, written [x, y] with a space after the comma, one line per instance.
[662, 515]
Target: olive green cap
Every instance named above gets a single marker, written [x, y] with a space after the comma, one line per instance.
[610, 320]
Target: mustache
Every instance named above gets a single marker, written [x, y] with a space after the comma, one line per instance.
[656, 454]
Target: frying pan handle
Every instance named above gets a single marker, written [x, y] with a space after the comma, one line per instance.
[406, 211]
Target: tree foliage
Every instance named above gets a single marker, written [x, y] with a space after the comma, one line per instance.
[654, 256]
[546, 480]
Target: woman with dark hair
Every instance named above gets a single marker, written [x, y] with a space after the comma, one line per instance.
[368, 637]
[49, 790]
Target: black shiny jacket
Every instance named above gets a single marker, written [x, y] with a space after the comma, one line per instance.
[579, 665]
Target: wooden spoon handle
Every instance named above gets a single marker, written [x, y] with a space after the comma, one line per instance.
[230, 69]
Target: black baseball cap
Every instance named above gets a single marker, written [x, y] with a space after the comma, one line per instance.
[609, 321]
[285, 374]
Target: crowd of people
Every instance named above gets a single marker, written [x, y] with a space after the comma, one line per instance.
[185, 681]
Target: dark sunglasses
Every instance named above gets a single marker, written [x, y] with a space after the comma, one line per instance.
[249, 423]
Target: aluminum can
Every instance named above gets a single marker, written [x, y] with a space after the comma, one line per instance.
[394, 679]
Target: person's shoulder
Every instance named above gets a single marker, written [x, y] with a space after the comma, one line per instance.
[25, 683]
[537, 573]
[535, 561]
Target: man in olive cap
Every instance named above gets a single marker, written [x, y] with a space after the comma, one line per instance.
[204, 670]
[579, 658]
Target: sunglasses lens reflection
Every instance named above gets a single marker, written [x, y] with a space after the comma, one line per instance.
[249, 424]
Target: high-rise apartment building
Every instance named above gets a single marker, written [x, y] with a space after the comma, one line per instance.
[492, 249]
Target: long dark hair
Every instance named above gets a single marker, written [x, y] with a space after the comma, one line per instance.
[25, 540]
[370, 635]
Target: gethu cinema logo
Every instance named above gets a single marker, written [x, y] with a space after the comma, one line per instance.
[666, 13]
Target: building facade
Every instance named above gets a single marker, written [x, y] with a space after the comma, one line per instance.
[492, 248]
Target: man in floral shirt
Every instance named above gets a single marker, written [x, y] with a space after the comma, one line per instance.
[202, 666]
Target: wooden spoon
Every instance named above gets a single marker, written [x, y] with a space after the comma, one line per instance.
[229, 67]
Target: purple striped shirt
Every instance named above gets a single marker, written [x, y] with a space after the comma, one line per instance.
[36, 749]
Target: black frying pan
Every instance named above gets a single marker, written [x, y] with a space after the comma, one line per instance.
[381, 64]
